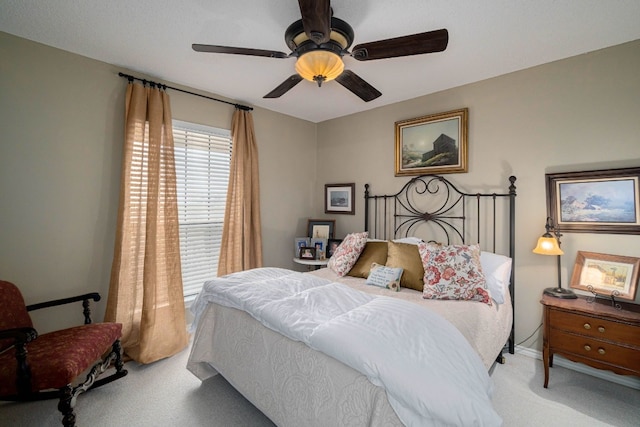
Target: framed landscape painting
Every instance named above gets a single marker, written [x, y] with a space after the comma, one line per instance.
[432, 144]
[338, 198]
[606, 274]
[602, 201]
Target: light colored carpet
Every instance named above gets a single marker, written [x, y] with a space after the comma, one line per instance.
[166, 394]
[572, 399]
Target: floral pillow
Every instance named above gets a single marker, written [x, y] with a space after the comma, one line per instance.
[346, 255]
[453, 272]
[385, 277]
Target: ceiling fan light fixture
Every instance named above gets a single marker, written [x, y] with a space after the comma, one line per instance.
[319, 66]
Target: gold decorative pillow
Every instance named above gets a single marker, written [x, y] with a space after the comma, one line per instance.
[407, 257]
[373, 252]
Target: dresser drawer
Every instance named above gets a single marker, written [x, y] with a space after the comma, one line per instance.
[595, 349]
[597, 328]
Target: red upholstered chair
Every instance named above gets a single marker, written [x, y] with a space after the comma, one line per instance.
[51, 365]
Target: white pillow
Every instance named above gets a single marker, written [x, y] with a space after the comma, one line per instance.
[497, 272]
[410, 240]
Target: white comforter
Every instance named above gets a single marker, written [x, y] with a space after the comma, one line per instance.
[429, 371]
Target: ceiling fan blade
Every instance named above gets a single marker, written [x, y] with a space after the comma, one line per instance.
[316, 19]
[415, 44]
[238, 51]
[355, 84]
[284, 87]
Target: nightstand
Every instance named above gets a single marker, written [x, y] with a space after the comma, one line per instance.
[595, 334]
[315, 263]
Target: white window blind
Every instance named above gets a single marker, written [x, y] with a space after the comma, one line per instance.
[203, 158]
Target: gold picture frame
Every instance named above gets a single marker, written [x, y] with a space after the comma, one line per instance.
[434, 144]
[603, 274]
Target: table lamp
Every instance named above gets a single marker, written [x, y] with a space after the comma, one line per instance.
[549, 244]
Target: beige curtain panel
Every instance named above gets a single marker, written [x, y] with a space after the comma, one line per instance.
[241, 247]
[145, 293]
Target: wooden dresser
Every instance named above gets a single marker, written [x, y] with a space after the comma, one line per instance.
[595, 334]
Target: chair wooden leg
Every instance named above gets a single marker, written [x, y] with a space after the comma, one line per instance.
[65, 406]
[117, 348]
[68, 394]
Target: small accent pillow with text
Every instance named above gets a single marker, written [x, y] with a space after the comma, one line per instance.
[346, 255]
[453, 272]
[385, 277]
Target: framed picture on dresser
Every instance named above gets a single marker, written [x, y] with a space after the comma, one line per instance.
[608, 275]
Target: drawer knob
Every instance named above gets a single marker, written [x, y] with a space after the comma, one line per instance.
[587, 347]
[601, 329]
[601, 351]
[587, 326]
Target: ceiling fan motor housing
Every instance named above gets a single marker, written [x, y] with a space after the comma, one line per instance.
[341, 33]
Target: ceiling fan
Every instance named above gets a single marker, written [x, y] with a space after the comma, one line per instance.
[319, 41]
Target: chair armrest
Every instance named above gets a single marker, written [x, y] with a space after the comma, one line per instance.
[18, 336]
[21, 337]
[85, 303]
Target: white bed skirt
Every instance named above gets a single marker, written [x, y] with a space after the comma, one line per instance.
[289, 382]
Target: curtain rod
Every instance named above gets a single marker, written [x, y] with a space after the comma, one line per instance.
[161, 85]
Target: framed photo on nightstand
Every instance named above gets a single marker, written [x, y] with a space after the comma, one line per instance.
[308, 253]
[321, 247]
[332, 245]
[321, 228]
[300, 242]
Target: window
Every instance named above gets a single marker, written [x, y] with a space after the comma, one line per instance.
[203, 158]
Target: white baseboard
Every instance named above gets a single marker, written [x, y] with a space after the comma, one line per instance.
[625, 380]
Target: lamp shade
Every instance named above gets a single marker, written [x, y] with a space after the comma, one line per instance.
[548, 245]
[319, 66]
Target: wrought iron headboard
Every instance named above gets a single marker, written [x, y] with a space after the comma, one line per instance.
[432, 208]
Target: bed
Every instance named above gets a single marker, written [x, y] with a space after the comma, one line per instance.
[362, 357]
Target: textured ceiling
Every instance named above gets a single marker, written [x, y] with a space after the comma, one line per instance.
[486, 39]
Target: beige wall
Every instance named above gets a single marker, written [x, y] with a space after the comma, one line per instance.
[61, 117]
[582, 113]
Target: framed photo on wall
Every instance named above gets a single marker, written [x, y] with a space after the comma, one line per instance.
[338, 198]
[606, 274]
[601, 201]
[432, 144]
